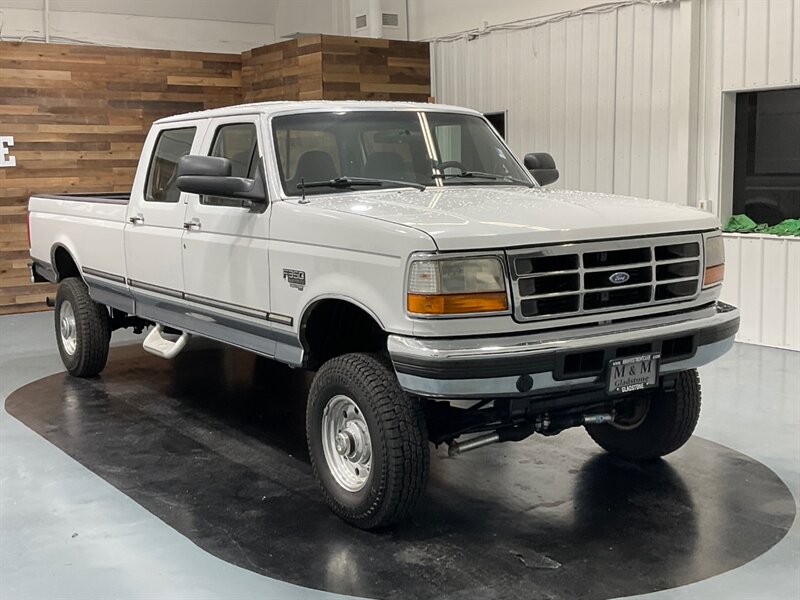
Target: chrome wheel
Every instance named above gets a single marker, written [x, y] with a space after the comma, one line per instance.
[67, 327]
[346, 443]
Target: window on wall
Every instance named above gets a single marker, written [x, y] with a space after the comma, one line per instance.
[766, 175]
[498, 121]
[171, 145]
[238, 143]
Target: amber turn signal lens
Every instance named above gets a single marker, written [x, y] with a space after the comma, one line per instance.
[456, 304]
[714, 275]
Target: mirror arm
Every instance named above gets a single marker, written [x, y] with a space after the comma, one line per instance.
[258, 188]
[256, 193]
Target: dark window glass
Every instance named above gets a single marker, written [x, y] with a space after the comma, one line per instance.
[498, 121]
[766, 176]
[171, 145]
[238, 143]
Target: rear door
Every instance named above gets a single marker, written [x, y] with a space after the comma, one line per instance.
[156, 216]
[225, 248]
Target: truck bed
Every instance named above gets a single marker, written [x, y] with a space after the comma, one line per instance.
[102, 197]
[90, 225]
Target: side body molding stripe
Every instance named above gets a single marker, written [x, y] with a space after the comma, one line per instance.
[236, 325]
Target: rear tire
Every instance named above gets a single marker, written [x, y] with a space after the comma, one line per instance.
[82, 329]
[666, 425]
[367, 440]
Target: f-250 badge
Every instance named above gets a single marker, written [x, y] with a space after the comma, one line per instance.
[296, 279]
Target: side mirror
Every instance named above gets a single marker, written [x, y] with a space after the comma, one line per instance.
[542, 167]
[211, 176]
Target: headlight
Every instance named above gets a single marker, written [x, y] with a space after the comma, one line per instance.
[453, 286]
[714, 260]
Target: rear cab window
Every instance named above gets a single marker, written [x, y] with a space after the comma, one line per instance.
[170, 146]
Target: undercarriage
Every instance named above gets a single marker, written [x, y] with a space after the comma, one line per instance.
[490, 421]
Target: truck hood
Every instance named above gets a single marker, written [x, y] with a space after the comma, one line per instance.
[462, 218]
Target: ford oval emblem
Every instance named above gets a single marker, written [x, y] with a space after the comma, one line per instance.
[619, 277]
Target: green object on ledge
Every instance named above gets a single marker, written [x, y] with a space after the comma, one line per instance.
[744, 224]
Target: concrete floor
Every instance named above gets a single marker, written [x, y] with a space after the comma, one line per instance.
[67, 533]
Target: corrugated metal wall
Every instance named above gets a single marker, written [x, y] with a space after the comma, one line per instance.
[599, 91]
[761, 278]
[593, 90]
[609, 95]
[746, 44]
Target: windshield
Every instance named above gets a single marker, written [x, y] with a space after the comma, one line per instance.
[389, 148]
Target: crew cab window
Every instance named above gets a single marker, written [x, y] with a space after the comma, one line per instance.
[171, 145]
[238, 142]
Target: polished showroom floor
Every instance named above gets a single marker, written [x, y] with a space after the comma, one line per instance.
[189, 479]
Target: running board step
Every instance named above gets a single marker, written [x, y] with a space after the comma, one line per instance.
[165, 345]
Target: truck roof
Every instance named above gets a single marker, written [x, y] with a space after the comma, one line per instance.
[275, 107]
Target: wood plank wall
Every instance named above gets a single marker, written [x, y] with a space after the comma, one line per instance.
[337, 68]
[79, 114]
[290, 70]
[375, 69]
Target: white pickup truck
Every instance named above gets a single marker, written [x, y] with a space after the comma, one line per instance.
[406, 255]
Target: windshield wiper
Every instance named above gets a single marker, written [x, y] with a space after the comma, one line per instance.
[347, 181]
[479, 174]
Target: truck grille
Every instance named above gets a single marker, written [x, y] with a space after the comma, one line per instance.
[596, 277]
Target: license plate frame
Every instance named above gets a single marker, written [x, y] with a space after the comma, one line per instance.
[633, 373]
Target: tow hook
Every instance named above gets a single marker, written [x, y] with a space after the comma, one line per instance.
[543, 424]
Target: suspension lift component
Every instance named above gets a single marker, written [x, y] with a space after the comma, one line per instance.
[598, 419]
[456, 448]
[542, 424]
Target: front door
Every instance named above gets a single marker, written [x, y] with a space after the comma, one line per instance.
[226, 243]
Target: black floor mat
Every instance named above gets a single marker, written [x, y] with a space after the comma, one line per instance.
[213, 444]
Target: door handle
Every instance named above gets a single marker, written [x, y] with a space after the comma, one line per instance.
[194, 224]
[136, 219]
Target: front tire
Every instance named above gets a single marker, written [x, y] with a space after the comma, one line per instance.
[656, 424]
[367, 440]
[82, 329]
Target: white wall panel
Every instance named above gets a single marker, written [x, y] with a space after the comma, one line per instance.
[762, 279]
[746, 45]
[593, 90]
[199, 25]
[566, 84]
[781, 22]
[435, 18]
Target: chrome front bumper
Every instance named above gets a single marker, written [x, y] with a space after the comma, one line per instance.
[536, 363]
